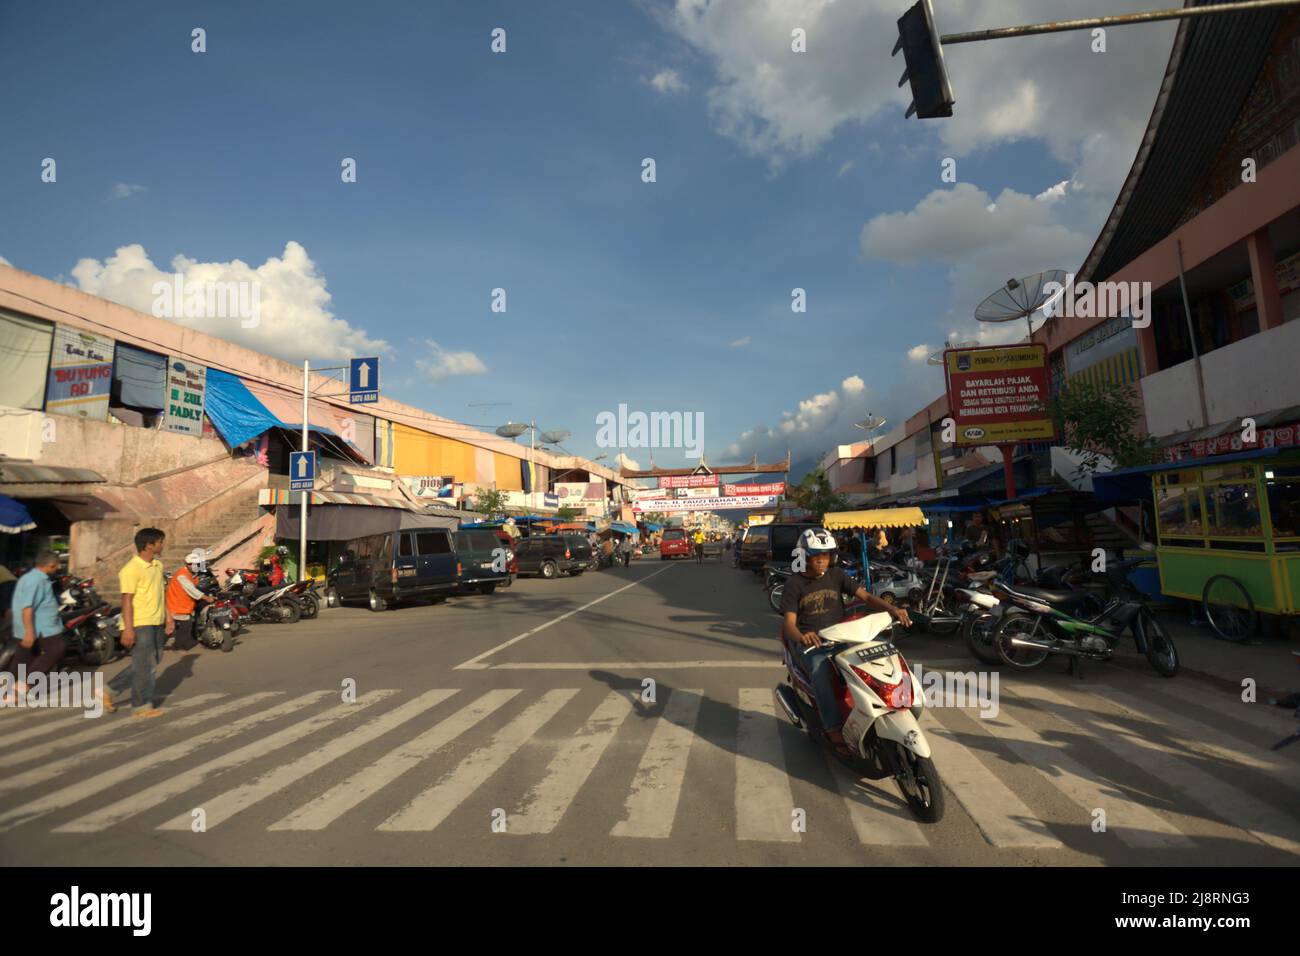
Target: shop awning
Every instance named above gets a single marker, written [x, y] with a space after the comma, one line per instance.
[14, 517]
[571, 526]
[877, 518]
[653, 528]
[345, 522]
[28, 473]
[1132, 484]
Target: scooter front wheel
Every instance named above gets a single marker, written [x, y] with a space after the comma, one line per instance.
[774, 597]
[918, 781]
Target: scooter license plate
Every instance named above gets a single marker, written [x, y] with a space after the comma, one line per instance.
[875, 653]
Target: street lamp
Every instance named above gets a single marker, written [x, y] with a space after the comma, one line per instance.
[513, 430]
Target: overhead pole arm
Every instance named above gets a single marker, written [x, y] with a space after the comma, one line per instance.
[1119, 20]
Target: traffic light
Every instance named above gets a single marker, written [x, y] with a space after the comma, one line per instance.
[918, 38]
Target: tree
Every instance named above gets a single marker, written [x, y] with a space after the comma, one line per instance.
[814, 494]
[490, 501]
[566, 513]
[1096, 421]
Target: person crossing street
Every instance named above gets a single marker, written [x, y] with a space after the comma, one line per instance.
[146, 624]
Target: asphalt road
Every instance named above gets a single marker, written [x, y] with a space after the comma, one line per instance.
[513, 729]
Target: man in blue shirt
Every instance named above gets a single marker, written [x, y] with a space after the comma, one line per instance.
[36, 620]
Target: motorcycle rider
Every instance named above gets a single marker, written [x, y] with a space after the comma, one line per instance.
[811, 602]
[183, 596]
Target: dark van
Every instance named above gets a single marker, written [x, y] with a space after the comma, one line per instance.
[383, 569]
[552, 554]
[754, 549]
[481, 554]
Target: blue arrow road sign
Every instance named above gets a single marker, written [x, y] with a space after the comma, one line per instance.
[363, 380]
[302, 470]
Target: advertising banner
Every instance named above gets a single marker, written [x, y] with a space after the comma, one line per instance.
[698, 492]
[999, 394]
[770, 488]
[186, 383]
[687, 481]
[81, 374]
[430, 486]
[576, 492]
[673, 505]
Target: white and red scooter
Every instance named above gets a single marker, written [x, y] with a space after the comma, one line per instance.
[881, 701]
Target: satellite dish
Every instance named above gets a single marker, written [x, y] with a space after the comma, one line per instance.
[937, 357]
[512, 430]
[1019, 298]
[870, 423]
[555, 437]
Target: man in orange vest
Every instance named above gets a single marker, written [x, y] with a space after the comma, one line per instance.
[183, 595]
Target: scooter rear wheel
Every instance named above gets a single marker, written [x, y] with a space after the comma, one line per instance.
[977, 631]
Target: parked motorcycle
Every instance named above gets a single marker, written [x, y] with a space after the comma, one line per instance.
[881, 700]
[264, 604]
[1039, 623]
[92, 628]
[305, 593]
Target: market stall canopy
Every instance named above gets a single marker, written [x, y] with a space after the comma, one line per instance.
[14, 518]
[623, 528]
[878, 518]
[573, 526]
[1134, 484]
[652, 527]
[345, 522]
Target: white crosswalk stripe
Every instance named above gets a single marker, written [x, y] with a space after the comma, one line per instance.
[221, 808]
[1002, 817]
[74, 793]
[53, 768]
[434, 805]
[651, 805]
[1133, 823]
[985, 766]
[1265, 823]
[764, 801]
[159, 793]
[546, 803]
[335, 802]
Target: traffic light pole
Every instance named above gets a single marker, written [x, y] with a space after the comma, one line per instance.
[1126, 19]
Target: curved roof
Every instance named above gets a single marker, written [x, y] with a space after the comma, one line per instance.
[1214, 62]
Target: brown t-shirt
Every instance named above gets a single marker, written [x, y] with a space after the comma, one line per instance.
[816, 602]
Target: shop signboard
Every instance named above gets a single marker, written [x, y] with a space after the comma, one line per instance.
[186, 383]
[81, 374]
[430, 486]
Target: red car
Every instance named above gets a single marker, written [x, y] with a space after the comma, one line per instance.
[675, 543]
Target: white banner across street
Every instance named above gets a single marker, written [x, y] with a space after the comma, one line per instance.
[707, 504]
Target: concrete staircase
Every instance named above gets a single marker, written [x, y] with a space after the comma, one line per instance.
[207, 535]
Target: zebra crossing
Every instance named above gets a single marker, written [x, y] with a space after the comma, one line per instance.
[1034, 777]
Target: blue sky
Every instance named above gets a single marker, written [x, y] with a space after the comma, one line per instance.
[522, 171]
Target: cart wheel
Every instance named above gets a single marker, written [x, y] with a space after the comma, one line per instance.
[1229, 608]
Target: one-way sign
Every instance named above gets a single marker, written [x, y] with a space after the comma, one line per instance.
[302, 470]
[363, 380]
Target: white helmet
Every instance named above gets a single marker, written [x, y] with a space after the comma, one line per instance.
[197, 556]
[817, 541]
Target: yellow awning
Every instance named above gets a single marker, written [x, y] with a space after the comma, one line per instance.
[879, 518]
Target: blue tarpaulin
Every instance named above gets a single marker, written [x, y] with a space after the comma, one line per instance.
[652, 527]
[233, 410]
[623, 528]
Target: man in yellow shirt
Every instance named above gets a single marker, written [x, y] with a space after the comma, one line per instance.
[699, 546]
[146, 623]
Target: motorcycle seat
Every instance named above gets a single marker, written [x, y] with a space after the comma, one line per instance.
[1065, 600]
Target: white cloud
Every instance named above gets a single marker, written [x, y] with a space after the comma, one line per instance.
[820, 421]
[920, 353]
[979, 244]
[668, 82]
[740, 343]
[295, 320]
[844, 168]
[1054, 193]
[126, 190]
[5, 262]
[622, 461]
[777, 103]
[442, 365]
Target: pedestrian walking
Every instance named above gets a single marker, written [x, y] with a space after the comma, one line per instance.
[627, 550]
[36, 623]
[146, 623]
